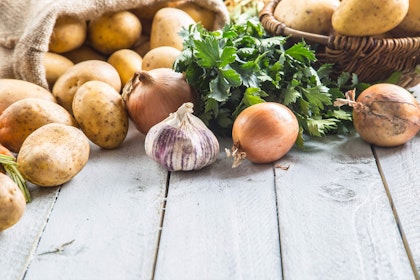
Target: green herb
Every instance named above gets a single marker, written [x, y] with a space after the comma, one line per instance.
[241, 65]
[9, 164]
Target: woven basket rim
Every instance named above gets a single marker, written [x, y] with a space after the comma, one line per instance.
[266, 17]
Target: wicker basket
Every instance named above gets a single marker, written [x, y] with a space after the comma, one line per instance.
[372, 59]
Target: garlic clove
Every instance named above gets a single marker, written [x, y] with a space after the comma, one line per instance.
[182, 141]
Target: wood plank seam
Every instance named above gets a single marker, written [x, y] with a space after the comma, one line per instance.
[396, 217]
[162, 219]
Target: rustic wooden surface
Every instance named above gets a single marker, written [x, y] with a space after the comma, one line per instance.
[342, 210]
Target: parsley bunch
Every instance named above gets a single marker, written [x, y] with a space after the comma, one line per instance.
[241, 65]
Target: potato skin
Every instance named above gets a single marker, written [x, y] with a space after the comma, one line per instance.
[55, 65]
[100, 112]
[312, 16]
[127, 62]
[160, 57]
[68, 83]
[12, 90]
[113, 31]
[166, 25]
[12, 202]
[368, 18]
[24, 116]
[68, 34]
[53, 154]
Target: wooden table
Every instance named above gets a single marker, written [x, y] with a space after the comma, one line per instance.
[342, 210]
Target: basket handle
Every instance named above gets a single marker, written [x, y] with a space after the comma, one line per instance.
[278, 28]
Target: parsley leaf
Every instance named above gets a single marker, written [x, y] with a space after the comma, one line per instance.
[241, 65]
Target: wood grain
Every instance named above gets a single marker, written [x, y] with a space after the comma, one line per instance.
[18, 243]
[220, 223]
[105, 222]
[335, 218]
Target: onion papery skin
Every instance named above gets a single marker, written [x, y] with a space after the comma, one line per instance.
[386, 115]
[265, 132]
[150, 96]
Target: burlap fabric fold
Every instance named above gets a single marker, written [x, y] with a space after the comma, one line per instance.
[26, 26]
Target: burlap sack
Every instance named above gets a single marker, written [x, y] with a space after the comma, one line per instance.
[26, 26]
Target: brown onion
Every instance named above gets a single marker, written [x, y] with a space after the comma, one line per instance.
[150, 96]
[384, 114]
[263, 133]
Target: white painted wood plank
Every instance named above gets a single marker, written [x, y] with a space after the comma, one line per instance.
[335, 218]
[401, 168]
[105, 222]
[18, 243]
[220, 223]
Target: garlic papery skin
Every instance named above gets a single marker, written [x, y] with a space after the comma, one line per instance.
[182, 141]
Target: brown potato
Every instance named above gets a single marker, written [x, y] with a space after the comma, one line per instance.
[12, 202]
[55, 65]
[68, 83]
[100, 112]
[68, 34]
[12, 90]
[53, 154]
[24, 116]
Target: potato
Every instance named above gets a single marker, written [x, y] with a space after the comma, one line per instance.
[26, 115]
[84, 53]
[142, 48]
[12, 90]
[113, 31]
[313, 16]
[100, 112]
[53, 154]
[166, 25]
[410, 26]
[160, 57]
[12, 202]
[198, 13]
[68, 34]
[367, 18]
[127, 62]
[55, 65]
[68, 83]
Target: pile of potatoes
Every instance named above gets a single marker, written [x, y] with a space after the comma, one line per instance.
[87, 65]
[379, 18]
[139, 39]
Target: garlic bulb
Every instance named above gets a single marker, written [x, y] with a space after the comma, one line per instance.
[182, 141]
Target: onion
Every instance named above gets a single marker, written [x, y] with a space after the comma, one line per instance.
[263, 133]
[384, 114]
[150, 96]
